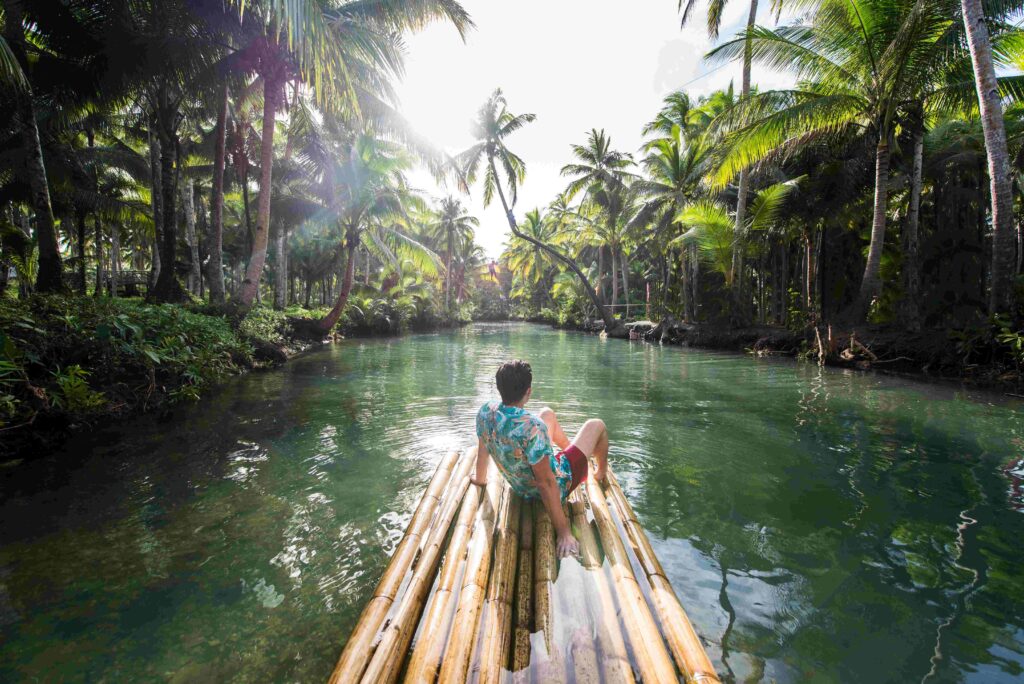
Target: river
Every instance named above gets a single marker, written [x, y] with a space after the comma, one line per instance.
[819, 525]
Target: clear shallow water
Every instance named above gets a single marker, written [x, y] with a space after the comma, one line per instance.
[818, 525]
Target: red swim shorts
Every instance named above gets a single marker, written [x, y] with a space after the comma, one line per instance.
[577, 464]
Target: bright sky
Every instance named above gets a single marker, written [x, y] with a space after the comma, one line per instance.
[576, 64]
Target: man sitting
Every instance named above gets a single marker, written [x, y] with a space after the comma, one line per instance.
[521, 445]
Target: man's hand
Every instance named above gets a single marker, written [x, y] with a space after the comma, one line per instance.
[567, 545]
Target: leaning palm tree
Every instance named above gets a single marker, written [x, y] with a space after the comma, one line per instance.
[525, 259]
[858, 62]
[493, 124]
[453, 227]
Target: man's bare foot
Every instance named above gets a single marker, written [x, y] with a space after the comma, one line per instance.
[600, 475]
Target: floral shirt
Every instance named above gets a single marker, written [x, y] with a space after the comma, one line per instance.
[517, 440]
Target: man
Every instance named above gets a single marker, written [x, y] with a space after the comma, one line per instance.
[521, 445]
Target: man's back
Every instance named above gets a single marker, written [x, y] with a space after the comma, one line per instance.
[517, 440]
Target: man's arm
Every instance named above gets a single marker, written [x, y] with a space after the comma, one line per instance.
[551, 496]
[482, 461]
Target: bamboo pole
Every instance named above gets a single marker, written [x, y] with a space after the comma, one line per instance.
[524, 596]
[686, 646]
[545, 572]
[455, 666]
[497, 615]
[652, 658]
[357, 650]
[387, 658]
[426, 656]
[615, 660]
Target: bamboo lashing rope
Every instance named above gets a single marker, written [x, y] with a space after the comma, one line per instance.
[686, 647]
[357, 650]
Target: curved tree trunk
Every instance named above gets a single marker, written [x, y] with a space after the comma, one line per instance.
[215, 241]
[1001, 293]
[871, 283]
[910, 314]
[327, 323]
[258, 256]
[610, 324]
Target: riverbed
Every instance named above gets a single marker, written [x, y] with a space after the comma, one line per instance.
[819, 525]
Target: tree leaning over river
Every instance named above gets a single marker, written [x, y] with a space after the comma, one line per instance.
[492, 125]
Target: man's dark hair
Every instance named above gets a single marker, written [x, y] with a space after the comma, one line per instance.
[513, 379]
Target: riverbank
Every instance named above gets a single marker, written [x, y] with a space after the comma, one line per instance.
[989, 357]
[68, 363]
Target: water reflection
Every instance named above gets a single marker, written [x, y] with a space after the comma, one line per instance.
[818, 525]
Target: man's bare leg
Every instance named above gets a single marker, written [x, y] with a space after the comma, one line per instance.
[555, 432]
[592, 440]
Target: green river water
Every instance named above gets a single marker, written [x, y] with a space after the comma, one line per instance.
[819, 525]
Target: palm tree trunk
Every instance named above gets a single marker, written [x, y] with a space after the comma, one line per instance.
[215, 265]
[156, 202]
[610, 324]
[600, 272]
[49, 277]
[1001, 293]
[625, 279]
[448, 272]
[80, 240]
[871, 283]
[614, 264]
[189, 207]
[115, 258]
[909, 310]
[98, 241]
[327, 323]
[281, 263]
[167, 288]
[743, 183]
[258, 255]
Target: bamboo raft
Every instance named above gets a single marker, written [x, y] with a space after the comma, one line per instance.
[475, 592]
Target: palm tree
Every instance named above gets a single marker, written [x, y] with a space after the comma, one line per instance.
[454, 227]
[493, 124]
[716, 8]
[1001, 292]
[710, 227]
[49, 273]
[334, 47]
[859, 62]
[366, 194]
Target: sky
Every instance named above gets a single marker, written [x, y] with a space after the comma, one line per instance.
[576, 65]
